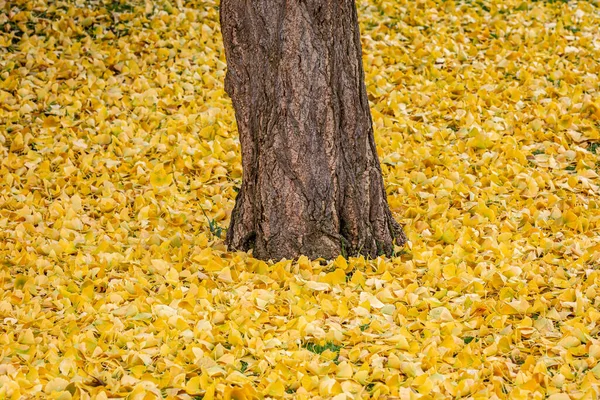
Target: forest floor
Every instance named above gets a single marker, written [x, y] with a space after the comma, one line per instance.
[120, 162]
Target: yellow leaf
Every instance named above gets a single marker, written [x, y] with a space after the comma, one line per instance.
[172, 277]
[225, 275]
[594, 351]
[159, 177]
[441, 314]
[103, 139]
[341, 263]
[399, 341]
[329, 387]
[318, 286]
[56, 385]
[193, 385]
[210, 393]
[336, 277]
[559, 396]
[26, 337]
[275, 389]
[17, 144]
[344, 370]
[162, 54]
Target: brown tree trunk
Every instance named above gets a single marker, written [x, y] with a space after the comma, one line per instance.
[311, 182]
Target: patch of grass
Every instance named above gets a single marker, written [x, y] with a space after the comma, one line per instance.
[343, 249]
[380, 249]
[555, 82]
[551, 1]
[364, 327]
[400, 253]
[349, 275]
[468, 339]
[571, 168]
[371, 25]
[318, 349]
[119, 7]
[244, 366]
[214, 227]
[522, 7]
[538, 151]
[593, 147]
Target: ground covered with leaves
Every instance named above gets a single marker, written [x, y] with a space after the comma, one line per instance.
[120, 163]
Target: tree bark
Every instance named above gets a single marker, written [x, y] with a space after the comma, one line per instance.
[311, 181]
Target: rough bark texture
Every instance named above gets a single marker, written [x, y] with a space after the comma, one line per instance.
[312, 182]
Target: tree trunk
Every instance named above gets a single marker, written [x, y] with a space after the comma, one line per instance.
[311, 182]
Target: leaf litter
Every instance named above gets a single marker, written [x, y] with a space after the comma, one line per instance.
[120, 163]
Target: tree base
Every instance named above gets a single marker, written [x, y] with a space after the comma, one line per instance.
[312, 240]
